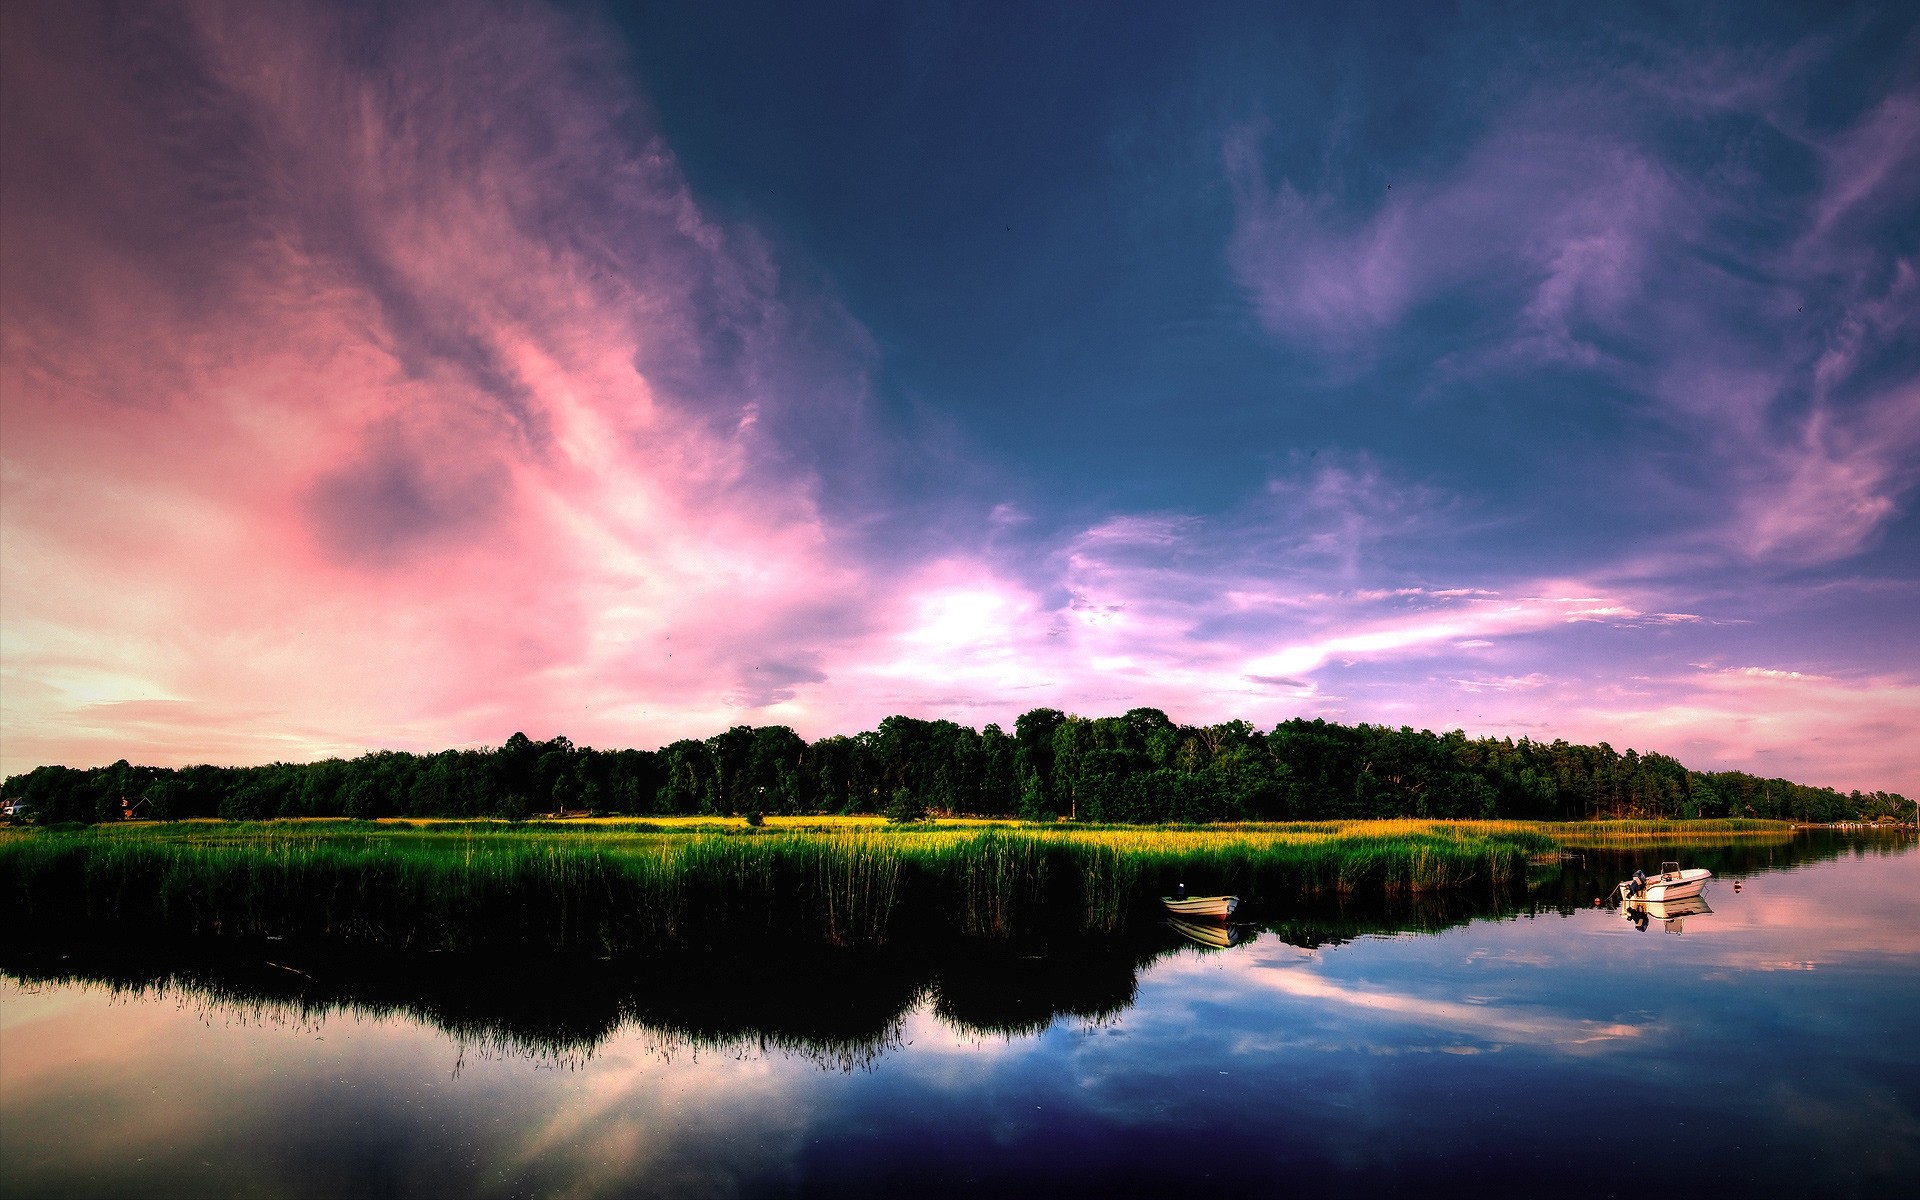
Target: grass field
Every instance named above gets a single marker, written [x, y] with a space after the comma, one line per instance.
[611, 886]
[1565, 832]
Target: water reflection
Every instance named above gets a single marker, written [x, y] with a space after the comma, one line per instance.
[841, 1007]
[1670, 915]
[1214, 935]
[836, 1007]
[1580, 880]
[1328, 1049]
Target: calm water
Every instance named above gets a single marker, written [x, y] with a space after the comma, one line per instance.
[1770, 1047]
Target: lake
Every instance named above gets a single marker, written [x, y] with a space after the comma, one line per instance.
[1768, 1047]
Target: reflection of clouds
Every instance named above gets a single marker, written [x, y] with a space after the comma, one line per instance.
[172, 1082]
[77, 1043]
[1879, 1135]
[635, 1117]
[1478, 1018]
[1490, 1021]
[1515, 957]
[86, 1077]
[1853, 912]
[1334, 1041]
[948, 1055]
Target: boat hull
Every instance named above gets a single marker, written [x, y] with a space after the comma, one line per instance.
[1661, 893]
[1202, 906]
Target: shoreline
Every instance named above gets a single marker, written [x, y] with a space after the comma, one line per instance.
[613, 890]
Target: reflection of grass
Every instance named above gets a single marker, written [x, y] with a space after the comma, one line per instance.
[627, 885]
[1628, 835]
[620, 887]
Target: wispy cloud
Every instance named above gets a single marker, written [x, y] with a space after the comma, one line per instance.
[1560, 219]
[1582, 235]
[377, 378]
[457, 413]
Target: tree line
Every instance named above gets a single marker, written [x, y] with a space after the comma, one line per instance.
[1141, 768]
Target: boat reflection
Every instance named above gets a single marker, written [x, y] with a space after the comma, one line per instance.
[1217, 935]
[1671, 914]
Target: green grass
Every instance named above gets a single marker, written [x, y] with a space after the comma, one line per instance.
[620, 886]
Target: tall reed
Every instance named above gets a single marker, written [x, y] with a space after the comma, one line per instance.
[613, 892]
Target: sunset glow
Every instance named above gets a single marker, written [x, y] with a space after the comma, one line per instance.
[404, 380]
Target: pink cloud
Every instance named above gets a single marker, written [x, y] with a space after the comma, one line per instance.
[1215, 618]
[1851, 731]
[1566, 215]
[1175, 622]
[1843, 732]
[437, 456]
[1871, 164]
[411, 399]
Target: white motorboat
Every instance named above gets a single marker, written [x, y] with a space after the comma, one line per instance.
[1670, 884]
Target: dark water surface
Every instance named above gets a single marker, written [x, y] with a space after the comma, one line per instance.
[1769, 1047]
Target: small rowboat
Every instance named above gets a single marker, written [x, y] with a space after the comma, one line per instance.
[1201, 906]
[1670, 884]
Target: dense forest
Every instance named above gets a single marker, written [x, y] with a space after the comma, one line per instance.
[1137, 768]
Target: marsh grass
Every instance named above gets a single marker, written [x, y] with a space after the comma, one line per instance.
[616, 887]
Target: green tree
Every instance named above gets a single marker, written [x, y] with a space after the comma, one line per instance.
[905, 807]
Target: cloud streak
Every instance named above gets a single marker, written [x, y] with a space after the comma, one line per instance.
[457, 416]
[1586, 237]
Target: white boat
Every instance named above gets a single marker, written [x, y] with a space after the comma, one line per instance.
[1670, 884]
[1201, 906]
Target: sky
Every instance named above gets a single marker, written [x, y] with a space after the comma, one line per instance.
[402, 376]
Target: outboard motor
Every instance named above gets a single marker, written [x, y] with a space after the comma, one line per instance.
[1639, 883]
[1180, 891]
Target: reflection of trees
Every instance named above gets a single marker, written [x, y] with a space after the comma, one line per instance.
[1332, 920]
[841, 1008]
[995, 988]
